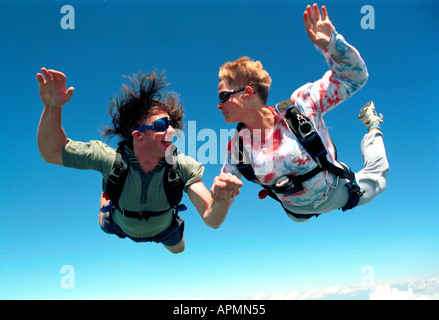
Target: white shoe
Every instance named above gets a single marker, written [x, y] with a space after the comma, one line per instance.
[369, 116]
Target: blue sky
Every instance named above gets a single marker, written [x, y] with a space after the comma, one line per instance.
[49, 214]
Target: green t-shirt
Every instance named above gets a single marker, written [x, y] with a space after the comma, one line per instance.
[141, 192]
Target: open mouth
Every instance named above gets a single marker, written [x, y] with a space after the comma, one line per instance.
[166, 143]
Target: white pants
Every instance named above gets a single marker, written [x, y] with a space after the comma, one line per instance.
[371, 179]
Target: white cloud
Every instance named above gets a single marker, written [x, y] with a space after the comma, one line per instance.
[402, 290]
[407, 290]
[333, 292]
[384, 292]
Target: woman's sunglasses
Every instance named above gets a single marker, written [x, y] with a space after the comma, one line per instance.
[160, 125]
[225, 95]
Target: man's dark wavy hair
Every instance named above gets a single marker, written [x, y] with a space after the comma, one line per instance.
[133, 104]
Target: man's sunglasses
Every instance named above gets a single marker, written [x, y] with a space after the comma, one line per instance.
[225, 95]
[160, 125]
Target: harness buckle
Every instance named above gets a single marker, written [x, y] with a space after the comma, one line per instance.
[356, 189]
[305, 127]
[337, 180]
[287, 185]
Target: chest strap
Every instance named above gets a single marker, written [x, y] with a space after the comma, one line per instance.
[142, 214]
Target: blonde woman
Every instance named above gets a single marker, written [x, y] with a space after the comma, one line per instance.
[305, 184]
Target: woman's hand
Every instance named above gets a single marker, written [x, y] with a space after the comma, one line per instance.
[318, 27]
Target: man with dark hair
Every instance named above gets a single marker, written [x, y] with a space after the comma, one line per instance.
[146, 121]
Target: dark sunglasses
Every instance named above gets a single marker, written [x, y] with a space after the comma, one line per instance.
[225, 95]
[160, 125]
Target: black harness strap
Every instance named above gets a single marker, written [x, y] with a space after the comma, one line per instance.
[116, 180]
[308, 137]
[172, 183]
[141, 214]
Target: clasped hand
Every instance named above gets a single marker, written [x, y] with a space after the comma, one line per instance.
[225, 187]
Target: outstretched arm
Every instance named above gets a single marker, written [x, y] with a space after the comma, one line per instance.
[51, 137]
[213, 207]
[347, 74]
[318, 27]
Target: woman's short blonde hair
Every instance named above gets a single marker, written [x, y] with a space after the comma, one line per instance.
[247, 72]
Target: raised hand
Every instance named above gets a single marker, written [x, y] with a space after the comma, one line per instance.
[318, 27]
[52, 86]
[225, 186]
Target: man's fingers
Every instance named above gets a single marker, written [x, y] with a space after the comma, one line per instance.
[47, 74]
[237, 182]
[218, 183]
[225, 186]
[40, 79]
[70, 92]
[57, 76]
[232, 182]
[228, 177]
[232, 186]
